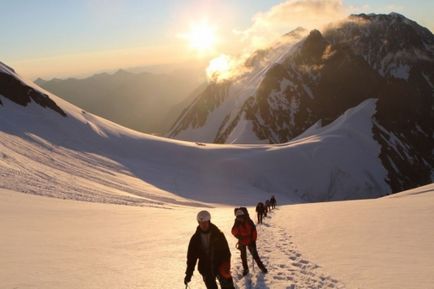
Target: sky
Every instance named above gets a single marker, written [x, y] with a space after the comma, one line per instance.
[49, 38]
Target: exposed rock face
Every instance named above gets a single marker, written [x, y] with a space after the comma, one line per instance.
[317, 83]
[387, 57]
[20, 93]
[213, 95]
[403, 56]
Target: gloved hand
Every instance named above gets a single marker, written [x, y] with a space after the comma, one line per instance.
[225, 269]
[187, 279]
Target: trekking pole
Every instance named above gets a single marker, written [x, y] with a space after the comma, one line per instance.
[253, 264]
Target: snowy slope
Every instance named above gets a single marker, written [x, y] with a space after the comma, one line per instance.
[132, 169]
[383, 243]
[376, 244]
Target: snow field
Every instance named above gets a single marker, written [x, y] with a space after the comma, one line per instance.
[376, 244]
[288, 267]
[382, 243]
[53, 243]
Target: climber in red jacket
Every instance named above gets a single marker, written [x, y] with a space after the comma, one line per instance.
[245, 231]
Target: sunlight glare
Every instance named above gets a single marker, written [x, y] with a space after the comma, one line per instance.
[201, 37]
[220, 68]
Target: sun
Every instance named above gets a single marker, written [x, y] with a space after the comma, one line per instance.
[201, 37]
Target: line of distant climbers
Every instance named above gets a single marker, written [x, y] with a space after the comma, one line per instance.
[262, 209]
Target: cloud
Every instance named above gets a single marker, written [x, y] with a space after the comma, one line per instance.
[268, 26]
[286, 16]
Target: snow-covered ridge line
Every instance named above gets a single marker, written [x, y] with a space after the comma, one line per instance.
[6, 69]
[400, 42]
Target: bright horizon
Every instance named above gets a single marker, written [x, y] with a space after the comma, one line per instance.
[56, 39]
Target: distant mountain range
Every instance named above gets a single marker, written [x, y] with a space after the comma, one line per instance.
[312, 81]
[147, 102]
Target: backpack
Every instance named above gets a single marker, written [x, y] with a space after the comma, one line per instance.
[260, 207]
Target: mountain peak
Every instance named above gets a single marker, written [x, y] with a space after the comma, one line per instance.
[397, 15]
[315, 34]
[374, 16]
[122, 72]
[395, 22]
[40, 81]
[312, 48]
[296, 32]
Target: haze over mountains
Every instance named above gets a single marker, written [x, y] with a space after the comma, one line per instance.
[147, 99]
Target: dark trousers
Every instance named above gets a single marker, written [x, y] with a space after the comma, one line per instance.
[260, 216]
[210, 282]
[253, 251]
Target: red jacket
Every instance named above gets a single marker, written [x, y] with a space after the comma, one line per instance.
[245, 232]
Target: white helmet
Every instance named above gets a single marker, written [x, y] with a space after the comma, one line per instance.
[239, 213]
[203, 216]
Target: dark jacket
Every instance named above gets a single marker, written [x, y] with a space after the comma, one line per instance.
[219, 252]
[260, 208]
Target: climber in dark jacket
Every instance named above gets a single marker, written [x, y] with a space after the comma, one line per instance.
[209, 245]
[268, 205]
[260, 211]
[273, 202]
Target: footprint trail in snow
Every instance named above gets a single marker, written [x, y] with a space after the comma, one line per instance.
[287, 268]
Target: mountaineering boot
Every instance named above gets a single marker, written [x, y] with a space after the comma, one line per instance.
[245, 272]
[263, 269]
